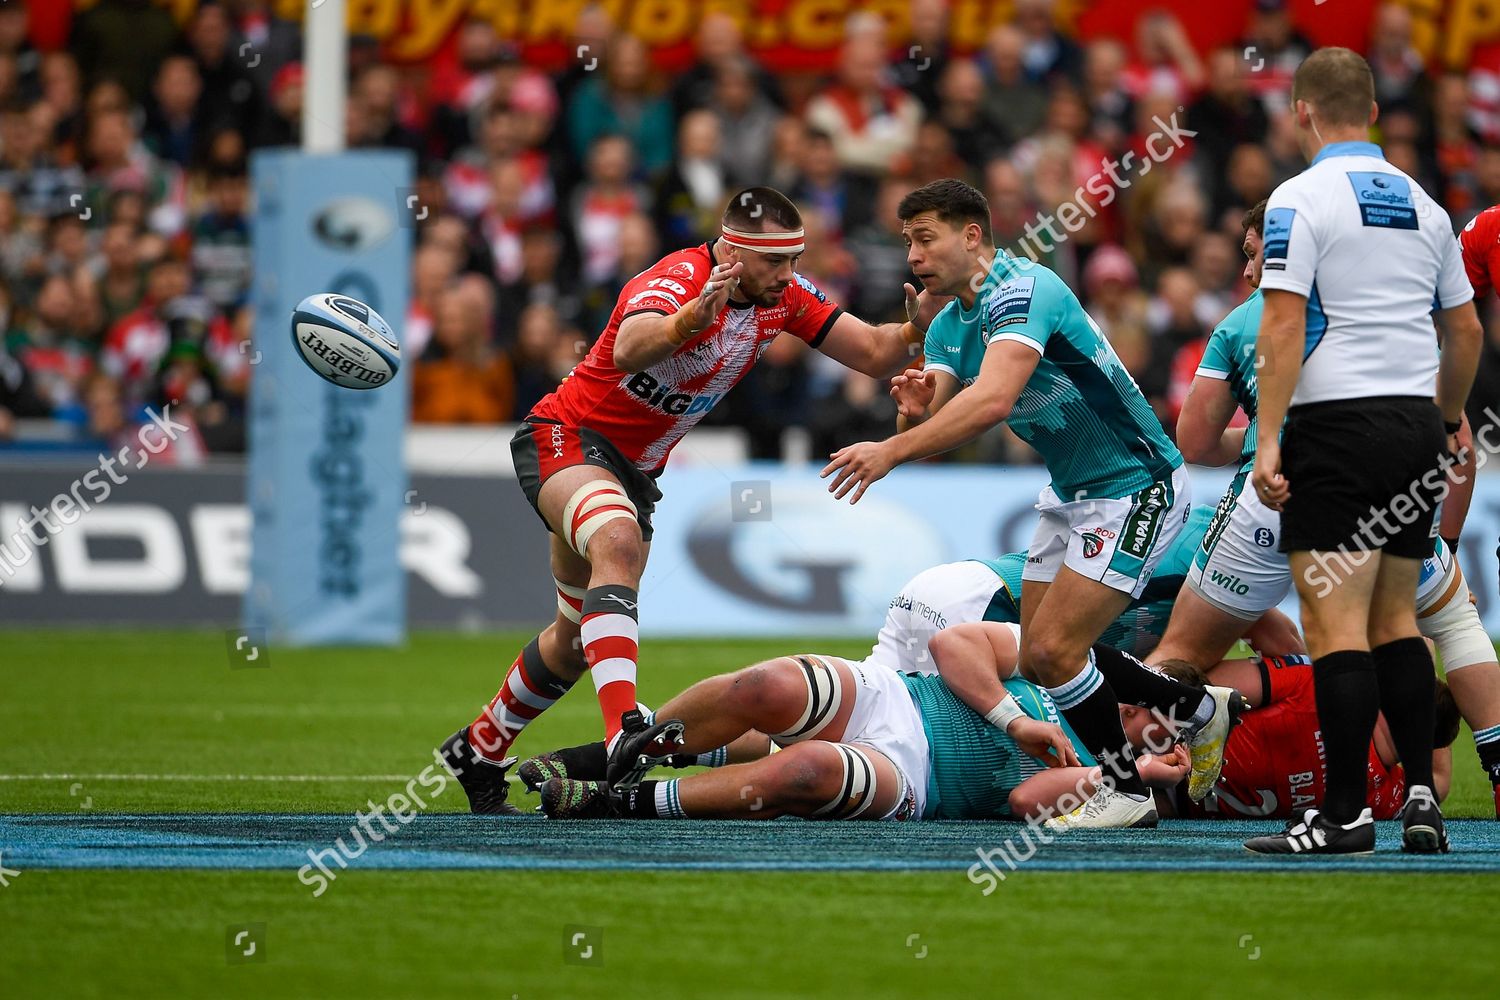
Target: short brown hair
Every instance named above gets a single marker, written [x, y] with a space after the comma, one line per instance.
[1337, 83]
[762, 209]
[1255, 219]
[951, 200]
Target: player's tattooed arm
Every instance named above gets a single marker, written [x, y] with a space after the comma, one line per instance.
[645, 339]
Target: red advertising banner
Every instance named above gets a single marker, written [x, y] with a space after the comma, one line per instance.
[791, 35]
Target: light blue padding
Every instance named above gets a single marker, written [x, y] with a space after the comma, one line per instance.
[327, 480]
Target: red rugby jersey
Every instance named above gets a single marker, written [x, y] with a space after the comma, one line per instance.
[1480, 242]
[1273, 765]
[645, 414]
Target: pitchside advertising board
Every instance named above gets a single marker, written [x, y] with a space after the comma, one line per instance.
[327, 478]
[743, 550]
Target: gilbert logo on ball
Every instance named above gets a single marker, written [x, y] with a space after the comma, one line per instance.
[345, 341]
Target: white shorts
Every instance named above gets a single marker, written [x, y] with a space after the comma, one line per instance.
[934, 599]
[1439, 572]
[1118, 542]
[1238, 568]
[886, 718]
[1453, 624]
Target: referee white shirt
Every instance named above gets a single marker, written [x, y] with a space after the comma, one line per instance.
[1374, 255]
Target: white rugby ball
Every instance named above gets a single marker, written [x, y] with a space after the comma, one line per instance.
[345, 341]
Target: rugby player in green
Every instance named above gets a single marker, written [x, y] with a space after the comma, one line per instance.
[1017, 347]
[857, 740]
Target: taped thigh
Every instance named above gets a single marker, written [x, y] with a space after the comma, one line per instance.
[591, 507]
[825, 694]
[857, 792]
[1460, 635]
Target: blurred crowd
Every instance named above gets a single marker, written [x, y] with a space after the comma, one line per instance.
[124, 252]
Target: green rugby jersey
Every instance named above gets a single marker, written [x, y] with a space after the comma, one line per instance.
[1141, 626]
[1230, 357]
[975, 766]
[1080, 409]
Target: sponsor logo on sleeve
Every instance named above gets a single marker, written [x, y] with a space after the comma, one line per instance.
[811, 288]
[1278, 236]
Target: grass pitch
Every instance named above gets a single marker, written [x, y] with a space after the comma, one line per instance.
[103, 724]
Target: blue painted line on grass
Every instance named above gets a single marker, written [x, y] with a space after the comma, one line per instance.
[266, 841]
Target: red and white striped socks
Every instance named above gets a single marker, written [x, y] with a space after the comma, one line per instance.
[529, 690]
[611, 641]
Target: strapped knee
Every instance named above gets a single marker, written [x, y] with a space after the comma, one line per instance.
[856, 789]
[590, 508]
[570, 601]
[824, 696]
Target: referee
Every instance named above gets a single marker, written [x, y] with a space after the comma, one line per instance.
[1358, 263]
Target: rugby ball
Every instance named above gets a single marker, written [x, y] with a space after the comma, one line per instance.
[345, 341]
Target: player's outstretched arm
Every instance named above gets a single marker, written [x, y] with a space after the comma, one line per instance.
[1003, 374]
[644, 340]
[881, 351]
[1203, 433]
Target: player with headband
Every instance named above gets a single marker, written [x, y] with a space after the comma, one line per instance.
[682, 334]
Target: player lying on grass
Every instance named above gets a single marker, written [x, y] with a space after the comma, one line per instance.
[1273, 766]
[1238, 574]
[860, 741]
[682, 334]
[1016, 347]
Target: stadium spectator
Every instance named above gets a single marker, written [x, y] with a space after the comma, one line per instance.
[540, 341]
[124, 40]
[606, 197]
[1275, 48]
[1015, 101]
[1401, 80]
[221, 241]
[229, 92]
[870, 121]
[1115, 301]
[1110, 102]
[720, 48]
[1225, 116]
[122, 279]
[173, 126]
[690, 194]
[927, 53]
[747, 122]
[1047, 54]
[1166, 61]
[621, 100]
[962, 112]
[51, 347]
[462, 377]
[276, 41]
[839, 198]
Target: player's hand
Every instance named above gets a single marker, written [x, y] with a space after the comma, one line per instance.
[857, 466]
[1166, 770]
[1270, 485]
[922, 306]
[1045, 741]
[722, 281]
[913, 390]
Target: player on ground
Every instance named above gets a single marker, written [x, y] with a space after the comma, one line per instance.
[683, 332]
[1356, 258]
[1017, 347]
[1273, 767]
[863, 742]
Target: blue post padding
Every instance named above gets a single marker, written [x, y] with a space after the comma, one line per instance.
[327, 479]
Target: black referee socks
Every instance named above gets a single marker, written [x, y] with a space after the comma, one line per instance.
[1408, 697]
[1348, 698]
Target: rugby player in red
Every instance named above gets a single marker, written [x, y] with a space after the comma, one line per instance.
[1273, 764]
[682, 334]
[1477, 689]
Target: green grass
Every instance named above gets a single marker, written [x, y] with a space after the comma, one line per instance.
[168, 703]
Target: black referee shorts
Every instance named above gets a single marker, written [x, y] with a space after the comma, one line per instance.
[1364, 474]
